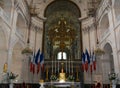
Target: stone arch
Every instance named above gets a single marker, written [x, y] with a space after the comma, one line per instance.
[7, 6]
[116, 9]
[104, 24]
[21, 26]
[118, 43]
[55, 10]
[5, 29]
[3, 47]
[54, 5]
[108, 62]
[62, 19]
[79, 5]
[17, 61]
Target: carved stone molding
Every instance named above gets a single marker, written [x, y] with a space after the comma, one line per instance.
[22, 7]
[37, 28]
[105, 5]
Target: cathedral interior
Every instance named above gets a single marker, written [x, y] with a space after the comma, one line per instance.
[59, 43]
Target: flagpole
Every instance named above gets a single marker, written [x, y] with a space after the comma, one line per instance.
[40, 73]
[34, 52]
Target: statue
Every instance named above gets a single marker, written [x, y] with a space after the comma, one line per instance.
[114, 83]
[62, 75]
[113, 77]
[42, 84]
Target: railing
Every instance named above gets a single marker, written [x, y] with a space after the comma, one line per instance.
[4, 16]
[77, 62]
[62, 85]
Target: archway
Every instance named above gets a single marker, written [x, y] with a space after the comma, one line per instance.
[104, 24]
[3, 46]
[116, 9]
[17, 61]
[21, 27]
[7, 6]
[56, 11]
[62, 36]
[108, 62]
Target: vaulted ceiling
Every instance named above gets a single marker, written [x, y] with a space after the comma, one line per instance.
[84, 5]
[62, 28]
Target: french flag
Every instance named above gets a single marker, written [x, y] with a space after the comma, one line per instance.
[83, 61]
[38, 67]
[94, 61]
[91, 63]
[87, 60]
[32, 63]
[42, 61]
[38, 64]
[37, 56]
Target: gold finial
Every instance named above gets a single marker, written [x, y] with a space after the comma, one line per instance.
[41, 81]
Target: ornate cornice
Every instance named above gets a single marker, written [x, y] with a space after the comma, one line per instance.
[88, 25]
[36, 25]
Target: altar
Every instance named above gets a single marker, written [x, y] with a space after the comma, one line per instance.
[62, 85]
[61, 81]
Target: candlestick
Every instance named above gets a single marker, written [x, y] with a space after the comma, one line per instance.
[69, 66]
[47, 74]
[52, 65]
[77, 79]
[66, 66]
[58, 66]
[55, 65]
[72, 66]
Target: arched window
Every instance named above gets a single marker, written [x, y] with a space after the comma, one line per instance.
[107, 62]
[104, 26]
[62, 55]
[117, 10]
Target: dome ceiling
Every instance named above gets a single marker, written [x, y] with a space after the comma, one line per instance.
[62, 8]
[84, 5]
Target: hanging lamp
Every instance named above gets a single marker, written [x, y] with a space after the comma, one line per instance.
[27, 50]
[98, 51]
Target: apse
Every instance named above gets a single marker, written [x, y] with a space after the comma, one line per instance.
[68, 12]
[62, 41]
